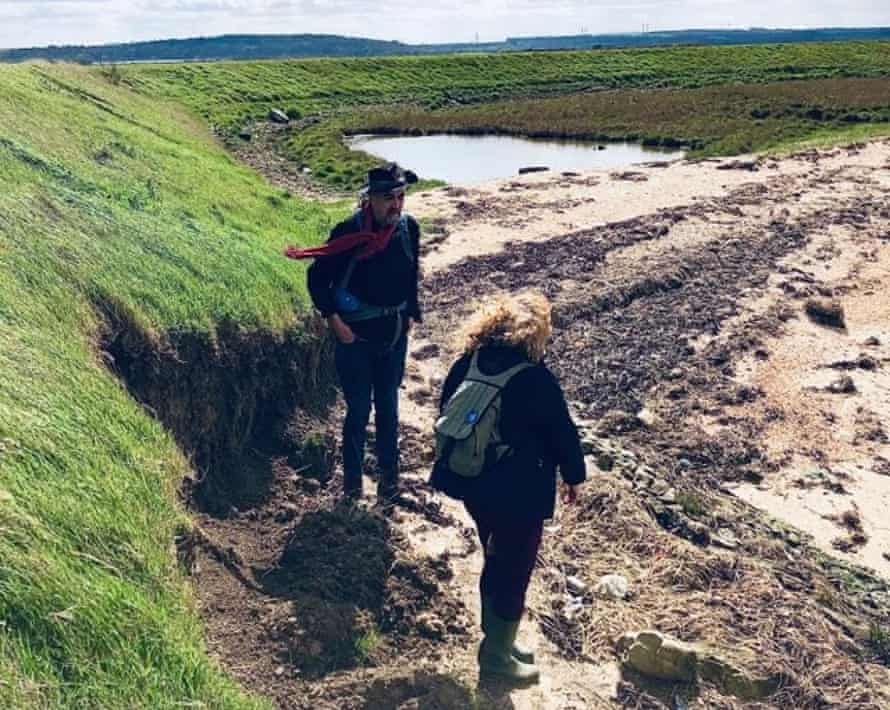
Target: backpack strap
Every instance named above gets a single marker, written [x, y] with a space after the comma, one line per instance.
[499, 380]
[404, 238]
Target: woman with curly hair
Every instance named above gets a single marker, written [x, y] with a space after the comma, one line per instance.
[503, 348]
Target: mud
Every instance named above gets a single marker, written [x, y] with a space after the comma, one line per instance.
[228, 399]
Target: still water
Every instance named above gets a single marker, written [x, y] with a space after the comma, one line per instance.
[469, 159]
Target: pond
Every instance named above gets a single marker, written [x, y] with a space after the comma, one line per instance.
[470, 159]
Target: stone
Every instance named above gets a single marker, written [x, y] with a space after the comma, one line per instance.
[668, 497]
[697, 532]
[657, 655]
[843, 385]
[278, 116]
[533, 169]
[287, 512]
[662, 657]
[726, 539]
[647, 417]
[734, 681]
[430, 625]
[616, 421]
[310, 485]
[576, 586]
[612, 586]
[826, 312]
[245, 135]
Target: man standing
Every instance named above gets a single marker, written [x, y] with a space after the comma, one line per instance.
[364, 282]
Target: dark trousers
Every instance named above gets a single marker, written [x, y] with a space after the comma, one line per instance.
[511, 548]
[370, 369]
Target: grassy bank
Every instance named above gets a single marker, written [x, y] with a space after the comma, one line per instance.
[112, 203]
[714, 99]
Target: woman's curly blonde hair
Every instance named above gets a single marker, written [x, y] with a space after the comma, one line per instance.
[521, 320]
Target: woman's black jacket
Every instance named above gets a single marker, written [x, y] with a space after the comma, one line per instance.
[536, 423]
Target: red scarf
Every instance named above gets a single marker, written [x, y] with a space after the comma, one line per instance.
[374, 242]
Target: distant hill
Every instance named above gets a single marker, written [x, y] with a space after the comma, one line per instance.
[309, 45]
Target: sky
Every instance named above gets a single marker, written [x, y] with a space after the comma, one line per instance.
[25, 23]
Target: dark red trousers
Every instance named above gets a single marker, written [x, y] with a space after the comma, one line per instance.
[511, 548]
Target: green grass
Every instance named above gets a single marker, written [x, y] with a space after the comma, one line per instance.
[228, 93]
[113, 200]
[714, 120]
[708, 98]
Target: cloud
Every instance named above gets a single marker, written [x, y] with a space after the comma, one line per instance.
[38, 22]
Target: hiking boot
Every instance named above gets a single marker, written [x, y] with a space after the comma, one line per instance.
[519, 651]
[495, 653]
[388, 488]
[352, 488]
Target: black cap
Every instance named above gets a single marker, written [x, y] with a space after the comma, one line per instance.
[388, 177]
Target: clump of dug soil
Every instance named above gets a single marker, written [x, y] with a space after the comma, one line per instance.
[828, 312]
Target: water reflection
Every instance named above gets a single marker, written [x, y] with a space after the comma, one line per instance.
[470, 159]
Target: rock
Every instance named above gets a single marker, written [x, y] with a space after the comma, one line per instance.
[697, 532]
[842, 385]
[612, 586]
[657, 656]
[426, 352]
[430, 625]
[826, 312]
[245, 135]
[278, 116]
[310, 485]
[668, 497]
[873, 342]
[616, 421]
[647, 417]
[287, 512]
[752, 165]
[533, 169]
[306, 170]
[726, 539]
[734, 681]
[576, 586]
[279, 671]
[866, 362]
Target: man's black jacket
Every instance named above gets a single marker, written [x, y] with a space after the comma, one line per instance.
[386, 279]
[536, 423]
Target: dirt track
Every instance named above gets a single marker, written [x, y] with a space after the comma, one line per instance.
[683, 345]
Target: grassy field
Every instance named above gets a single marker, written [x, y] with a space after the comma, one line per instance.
[113, 202]
[710, 98]
[714, 120]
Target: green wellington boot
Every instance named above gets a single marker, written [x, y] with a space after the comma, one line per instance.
[519, 651]
[495, 657]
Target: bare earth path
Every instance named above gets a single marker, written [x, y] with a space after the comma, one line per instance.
[684, 347]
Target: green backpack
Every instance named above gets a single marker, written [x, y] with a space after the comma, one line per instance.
[467, 434]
